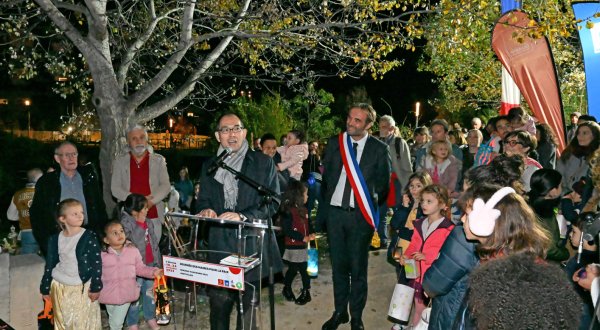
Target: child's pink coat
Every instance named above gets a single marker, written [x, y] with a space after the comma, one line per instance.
[292, 158]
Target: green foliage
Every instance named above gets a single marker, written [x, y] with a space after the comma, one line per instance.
[312, 114]
[269, 114]
[458, 51]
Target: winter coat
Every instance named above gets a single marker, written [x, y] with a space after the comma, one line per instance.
[119, 272]
[446, 281]
[261, 169]
[572, 168]
[138, 237]
[292, 158]
[431, 246]
[295, 228]
[89, 262]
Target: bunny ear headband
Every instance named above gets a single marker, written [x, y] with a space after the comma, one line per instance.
[482, 218]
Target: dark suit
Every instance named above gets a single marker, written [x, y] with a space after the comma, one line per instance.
[261, 169]
[348, 232]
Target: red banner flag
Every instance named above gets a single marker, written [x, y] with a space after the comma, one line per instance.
[529, 62]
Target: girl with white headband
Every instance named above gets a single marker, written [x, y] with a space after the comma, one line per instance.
[502, 225]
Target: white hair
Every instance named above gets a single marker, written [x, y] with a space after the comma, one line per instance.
[388, 119]
[135, 128]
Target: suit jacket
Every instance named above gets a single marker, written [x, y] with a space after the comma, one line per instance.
[375, 165]
[261, 169]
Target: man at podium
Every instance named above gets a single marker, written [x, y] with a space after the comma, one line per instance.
[226, 197]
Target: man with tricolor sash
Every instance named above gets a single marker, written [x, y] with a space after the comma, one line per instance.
[356, 174]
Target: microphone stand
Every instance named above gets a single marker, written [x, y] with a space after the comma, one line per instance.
[270, 196]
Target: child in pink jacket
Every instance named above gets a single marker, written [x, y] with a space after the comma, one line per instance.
[120, 265]
[293, 154]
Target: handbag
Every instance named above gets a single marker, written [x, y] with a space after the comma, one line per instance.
[46, 317]
[401, 303]
[313, 260]
[424, 321]
[161, 296]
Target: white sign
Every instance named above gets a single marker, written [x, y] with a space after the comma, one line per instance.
[202, 272]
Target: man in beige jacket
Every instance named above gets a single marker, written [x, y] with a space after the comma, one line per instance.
[141, 171]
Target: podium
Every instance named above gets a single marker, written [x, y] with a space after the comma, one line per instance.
[190, 263]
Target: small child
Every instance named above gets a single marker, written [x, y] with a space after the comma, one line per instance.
[293, 154]
[402, 221]
[298, 233]
[442, 165]
[427, 240]
[141, 233]
[73, 272]
[120, 265]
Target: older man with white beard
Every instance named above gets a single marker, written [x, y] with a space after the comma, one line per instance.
[143, 172]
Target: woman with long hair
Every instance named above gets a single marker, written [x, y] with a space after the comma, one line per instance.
[574, 161]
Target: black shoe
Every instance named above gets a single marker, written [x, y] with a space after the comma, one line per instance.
[335, 320]
[356, 324]
[288, 294]
[303, 298]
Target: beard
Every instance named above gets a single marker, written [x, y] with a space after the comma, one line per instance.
[139, 149]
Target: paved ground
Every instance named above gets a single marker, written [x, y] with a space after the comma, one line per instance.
[290, 316]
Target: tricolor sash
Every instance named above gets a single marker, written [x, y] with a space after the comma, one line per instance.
[359, 186]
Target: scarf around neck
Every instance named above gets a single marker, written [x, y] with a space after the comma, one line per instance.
[227, 179]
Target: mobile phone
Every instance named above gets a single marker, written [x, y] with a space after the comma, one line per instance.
[582, 273]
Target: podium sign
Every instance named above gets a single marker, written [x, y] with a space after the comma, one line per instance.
[202, 272]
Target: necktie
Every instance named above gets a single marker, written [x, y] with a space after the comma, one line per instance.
[347, 187]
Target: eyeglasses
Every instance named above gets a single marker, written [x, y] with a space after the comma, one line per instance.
[230, 130]
[512, 143]
[68, 155]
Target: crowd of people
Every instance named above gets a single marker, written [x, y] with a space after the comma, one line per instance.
[494, 219]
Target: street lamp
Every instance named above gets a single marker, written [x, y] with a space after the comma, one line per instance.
[27, 103]
[417, 105]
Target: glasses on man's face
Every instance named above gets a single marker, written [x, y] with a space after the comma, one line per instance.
[231, 130]
[68, 155]
[513, 143]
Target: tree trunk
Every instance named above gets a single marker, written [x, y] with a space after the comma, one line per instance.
[113, 123]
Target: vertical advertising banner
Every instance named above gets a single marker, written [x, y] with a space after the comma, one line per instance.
[511, 96]
[529, 62]
[589, 35]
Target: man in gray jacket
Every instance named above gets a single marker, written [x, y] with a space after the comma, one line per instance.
[143, 172]
[401, 170]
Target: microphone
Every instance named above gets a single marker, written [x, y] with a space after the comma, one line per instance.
[220, 158]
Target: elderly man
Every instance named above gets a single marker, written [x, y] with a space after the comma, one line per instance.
[227, 197]
[351, 206]
[19, 211]
[72, 181]
[141, 171]
[401, 170]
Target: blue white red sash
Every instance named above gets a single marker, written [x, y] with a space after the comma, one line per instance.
[359, 186]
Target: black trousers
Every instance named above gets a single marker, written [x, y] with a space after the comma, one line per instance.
[293, 269]
[349, 238]
[222, 302]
